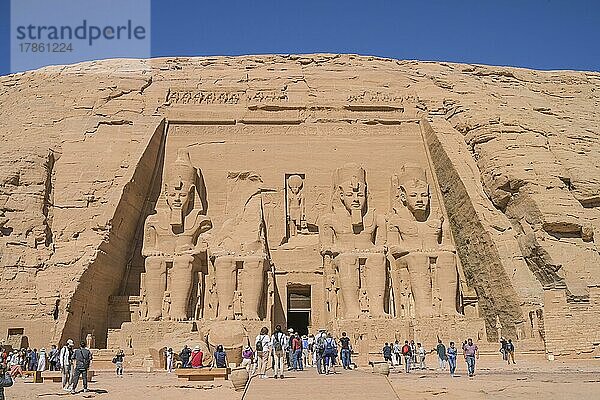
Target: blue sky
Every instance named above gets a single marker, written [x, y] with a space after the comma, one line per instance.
[541, 34]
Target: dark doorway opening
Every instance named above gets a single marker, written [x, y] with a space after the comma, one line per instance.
[298, 313]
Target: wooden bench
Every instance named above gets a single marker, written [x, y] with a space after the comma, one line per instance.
[54, 376]
[203, 374]
[37, 375]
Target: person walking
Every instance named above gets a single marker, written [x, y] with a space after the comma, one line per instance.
[41, 364]
[14, 364]
[407, 354]
[118, 360]
[33, 360]
[311, 350]
[305, 360]
[278, 344]
[262, 344]
[220, 357]
[297, 353]
[289, 351]
[320, 350]
[184, 356]
[53, 358]
[65, 357]
[413, 351]
[170, 360]
[5, 379]
[510, 349]
[452, 351]
[397, 350]
[387, 353]
[83, 358]
[503, 349]
[247, 357]
[346, 350]
[440, 349]
[196, 358]
[329, 354]
[421, 351]
[471, 352]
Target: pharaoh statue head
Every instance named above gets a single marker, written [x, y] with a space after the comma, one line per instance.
[410, 188]
[295, 183]
[181, 191]
[350, 184]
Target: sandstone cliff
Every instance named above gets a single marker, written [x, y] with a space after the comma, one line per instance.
[516, 151]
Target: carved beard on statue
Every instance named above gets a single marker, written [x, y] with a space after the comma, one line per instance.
[178, 199]
[353, 196]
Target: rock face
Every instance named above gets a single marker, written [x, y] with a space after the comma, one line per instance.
[139, 195]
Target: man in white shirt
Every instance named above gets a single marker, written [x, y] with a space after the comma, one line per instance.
[65, 364]
[263, 349]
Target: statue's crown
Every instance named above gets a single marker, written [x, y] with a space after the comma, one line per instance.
[409, 173]
[350, 172]
[182, 168]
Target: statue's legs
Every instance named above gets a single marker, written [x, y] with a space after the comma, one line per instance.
[156, 283]
[420, 280]
[447, 281]
[401, 283]
[225, 270]
[376, 277]
[253, 288]
[181, 286]
[347, 265]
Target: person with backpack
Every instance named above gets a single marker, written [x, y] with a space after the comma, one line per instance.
[387, 353]
[510, 350]
[247, 357]
[82, 358]
[320, 349]
[278, 343]
[53, 358]
[329, 354]
[5, 379]
[262, 344]
[407, 354]
[397, 349]
[118, 361]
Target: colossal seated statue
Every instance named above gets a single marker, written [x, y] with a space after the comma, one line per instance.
[172, 235]
[238, 250]
[420, 247]
[353, 238]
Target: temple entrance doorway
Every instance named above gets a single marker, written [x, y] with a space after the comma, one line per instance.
[298, 311]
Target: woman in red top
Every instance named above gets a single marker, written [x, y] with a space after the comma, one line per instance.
[196, 359]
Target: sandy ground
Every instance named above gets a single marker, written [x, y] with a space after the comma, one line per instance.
[531, 378]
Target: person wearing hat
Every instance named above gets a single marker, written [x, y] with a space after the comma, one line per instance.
[305, 358]
[196, 357]
[289, 350]
[66, 352]
[247, 357]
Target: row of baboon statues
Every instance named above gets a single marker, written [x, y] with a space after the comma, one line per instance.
[364, 253]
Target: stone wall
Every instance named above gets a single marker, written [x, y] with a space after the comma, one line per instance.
[571, 323]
